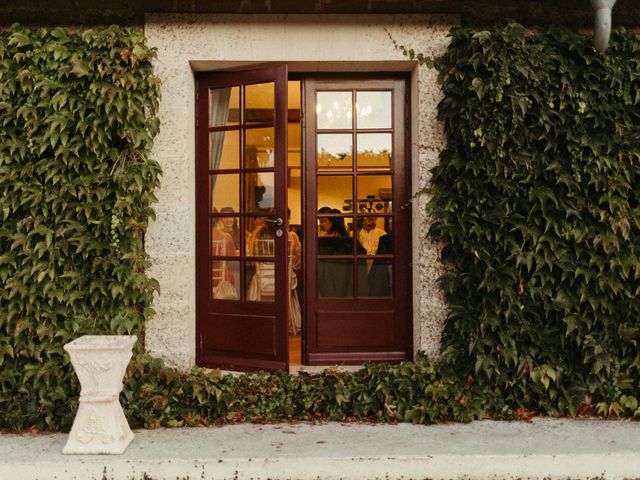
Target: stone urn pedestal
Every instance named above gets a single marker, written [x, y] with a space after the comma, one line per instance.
[100, 426]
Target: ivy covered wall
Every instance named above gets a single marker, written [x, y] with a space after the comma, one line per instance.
[537, 201]
[77, 118]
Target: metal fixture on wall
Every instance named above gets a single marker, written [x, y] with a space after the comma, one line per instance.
[602, 28]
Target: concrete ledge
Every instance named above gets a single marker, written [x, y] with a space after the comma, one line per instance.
[545, 448]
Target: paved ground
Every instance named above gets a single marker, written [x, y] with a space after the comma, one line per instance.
[545, 448]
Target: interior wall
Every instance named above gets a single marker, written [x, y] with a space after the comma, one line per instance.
[295, 197]
[364, 43]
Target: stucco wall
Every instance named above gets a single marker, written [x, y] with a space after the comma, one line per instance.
[306, 43]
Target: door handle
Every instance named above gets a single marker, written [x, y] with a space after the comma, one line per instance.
[277, 221]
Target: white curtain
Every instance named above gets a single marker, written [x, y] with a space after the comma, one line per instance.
[219, 116]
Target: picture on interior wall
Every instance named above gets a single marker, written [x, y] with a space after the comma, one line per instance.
[371, 204]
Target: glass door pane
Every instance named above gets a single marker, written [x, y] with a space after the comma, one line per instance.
[254, 122]
[225, 106]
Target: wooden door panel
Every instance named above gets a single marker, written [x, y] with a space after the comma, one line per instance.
[357, 330]
[235, 339]
[241, 312]
[357, 176]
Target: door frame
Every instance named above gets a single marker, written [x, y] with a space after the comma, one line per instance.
[402, 331]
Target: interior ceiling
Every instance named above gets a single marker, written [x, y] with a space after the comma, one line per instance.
[576, 13]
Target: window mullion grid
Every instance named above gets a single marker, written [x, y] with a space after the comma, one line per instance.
[354, 192]
[243, 207]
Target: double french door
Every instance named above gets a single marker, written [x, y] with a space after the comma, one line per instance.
[355, 220]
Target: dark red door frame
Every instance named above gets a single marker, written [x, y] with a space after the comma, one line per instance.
[246, 335]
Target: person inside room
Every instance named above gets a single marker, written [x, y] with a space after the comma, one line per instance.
[223, 278]
[295, 264]
[379, 276]
[375, 241]
[230, 225]
[335, 277]
[369, 235]
[260, 275]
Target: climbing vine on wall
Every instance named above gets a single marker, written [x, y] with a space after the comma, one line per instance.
[537, 200]
[77, 119]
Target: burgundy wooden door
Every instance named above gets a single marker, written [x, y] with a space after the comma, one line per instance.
[358, 232]
[241, 241]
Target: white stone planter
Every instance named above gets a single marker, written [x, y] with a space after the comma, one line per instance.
[100, 426]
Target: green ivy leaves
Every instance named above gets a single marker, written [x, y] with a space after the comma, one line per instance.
[417, 392]
[77, 120]
[537, 200]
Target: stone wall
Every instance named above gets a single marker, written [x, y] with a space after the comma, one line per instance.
[307, 43]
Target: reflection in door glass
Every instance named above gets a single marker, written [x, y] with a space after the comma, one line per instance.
[261, 281]
[374, 151]
[334, 110]
[225, 106]
[259, 190]
[334, 151]
[335, 278]
[373, 109]
[225, 191]
[259, 147]
[225, 150]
